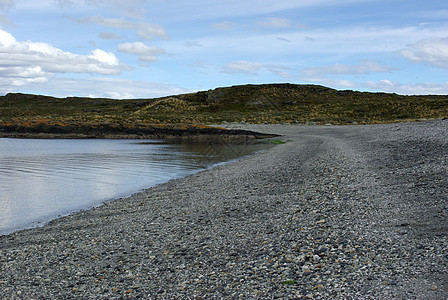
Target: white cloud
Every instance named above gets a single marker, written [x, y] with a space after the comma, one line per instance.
[18, 76]
[254, 68]
[143, 30]
[423, 88]
[6, 39]
[104, 57]
[431, 51]
[333, 76]
[25, 62]
[333, 83]
[329, 44]
[98, 88]
[144, 52]
[366, 67]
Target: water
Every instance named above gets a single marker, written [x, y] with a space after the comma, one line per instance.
[43, 179]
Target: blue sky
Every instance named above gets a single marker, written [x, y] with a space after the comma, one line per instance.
[151, 48]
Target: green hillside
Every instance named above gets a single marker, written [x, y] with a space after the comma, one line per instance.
[269, 103]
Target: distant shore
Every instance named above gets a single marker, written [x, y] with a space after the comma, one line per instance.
[108, 131]
[348, 212]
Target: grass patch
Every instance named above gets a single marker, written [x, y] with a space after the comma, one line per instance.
[289, 282]
[277, 142]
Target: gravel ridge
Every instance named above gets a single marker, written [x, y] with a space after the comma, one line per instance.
[338, 212]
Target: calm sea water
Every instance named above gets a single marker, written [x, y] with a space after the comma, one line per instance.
[44, 179]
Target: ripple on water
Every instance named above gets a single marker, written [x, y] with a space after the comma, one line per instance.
[43, 179]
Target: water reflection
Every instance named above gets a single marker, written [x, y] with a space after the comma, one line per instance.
[43, 179]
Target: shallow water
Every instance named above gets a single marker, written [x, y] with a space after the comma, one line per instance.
[43, 179]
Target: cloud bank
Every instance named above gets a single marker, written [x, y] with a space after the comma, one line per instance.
[366, 67]
[143, 30]
[255, 68]
[145, 53]
[31, 62]
[430, 51]
[424, 88]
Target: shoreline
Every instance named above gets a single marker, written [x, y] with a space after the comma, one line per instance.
[336, 212]
[215, 152]
[195, 137]
[237, 135]
[45, 130]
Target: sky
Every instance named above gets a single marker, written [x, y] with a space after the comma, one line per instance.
[126, 49]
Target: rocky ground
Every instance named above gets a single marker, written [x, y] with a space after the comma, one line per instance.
[351, 212]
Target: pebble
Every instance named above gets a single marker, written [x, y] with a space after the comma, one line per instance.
[319, 217]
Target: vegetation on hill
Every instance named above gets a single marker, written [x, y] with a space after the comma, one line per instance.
[268, 103]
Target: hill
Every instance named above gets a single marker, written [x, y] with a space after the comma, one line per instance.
[267, 103]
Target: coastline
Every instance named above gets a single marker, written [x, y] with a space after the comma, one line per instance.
[46, 130]
[336, 212]
[192, 137]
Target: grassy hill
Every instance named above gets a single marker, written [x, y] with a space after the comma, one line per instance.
[268, 103]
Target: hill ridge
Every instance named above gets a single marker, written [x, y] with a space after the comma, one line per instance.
[252, 103]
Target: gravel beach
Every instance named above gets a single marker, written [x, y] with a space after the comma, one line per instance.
[337, 212]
